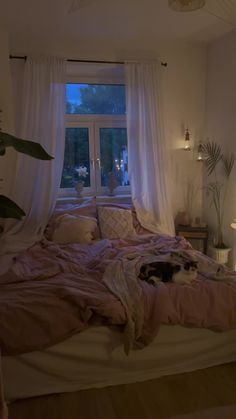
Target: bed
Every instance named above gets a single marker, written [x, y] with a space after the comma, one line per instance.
[75, 315]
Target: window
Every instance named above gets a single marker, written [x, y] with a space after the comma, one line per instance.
[76, 154]
[95, 99]
[96, 137]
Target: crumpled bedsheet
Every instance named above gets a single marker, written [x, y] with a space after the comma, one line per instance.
[53, 291]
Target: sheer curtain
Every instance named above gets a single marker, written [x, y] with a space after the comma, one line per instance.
[41, 119]
[147, 148]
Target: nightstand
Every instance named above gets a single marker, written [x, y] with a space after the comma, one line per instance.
[194, 233]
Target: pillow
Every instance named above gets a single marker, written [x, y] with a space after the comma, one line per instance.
[115, 223]
[87, 208]
[139, 229]
[74, 229]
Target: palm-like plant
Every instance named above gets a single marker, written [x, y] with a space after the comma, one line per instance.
[219, 167]
[8, 208]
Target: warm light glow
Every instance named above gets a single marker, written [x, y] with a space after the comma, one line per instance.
[187, 141]
[187, 147]
[200, 153]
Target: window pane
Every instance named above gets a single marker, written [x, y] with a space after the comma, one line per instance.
[114, 155]
[103, 99]
[76, 157]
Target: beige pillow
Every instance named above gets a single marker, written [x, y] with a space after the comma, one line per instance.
[74, 229]
[86, 208]
[115, 223]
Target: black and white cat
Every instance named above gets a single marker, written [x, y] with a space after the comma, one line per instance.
[157, 272]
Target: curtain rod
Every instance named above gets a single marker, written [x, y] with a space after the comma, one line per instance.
[24, 57]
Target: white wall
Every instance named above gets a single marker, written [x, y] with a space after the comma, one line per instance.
[8, 161]
[221, 118]
[184, 106]
[184, 100]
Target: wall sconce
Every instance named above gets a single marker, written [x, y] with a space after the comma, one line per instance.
[200, 152]
[187, 141]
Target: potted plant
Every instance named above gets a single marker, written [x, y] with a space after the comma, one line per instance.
[218, 168]
[8, 208]
[82, 173]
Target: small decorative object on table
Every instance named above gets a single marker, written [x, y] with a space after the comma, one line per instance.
[198, 223]
[82, 173]
[182, 218]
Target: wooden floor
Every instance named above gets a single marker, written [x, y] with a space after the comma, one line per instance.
[203, 394]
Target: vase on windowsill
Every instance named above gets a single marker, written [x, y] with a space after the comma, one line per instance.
[112, 184]
[79, 188]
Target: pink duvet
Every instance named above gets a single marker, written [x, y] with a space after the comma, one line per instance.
[55, 291]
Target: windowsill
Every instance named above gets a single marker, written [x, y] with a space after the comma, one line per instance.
[123, 198]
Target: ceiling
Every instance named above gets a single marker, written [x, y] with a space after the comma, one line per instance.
[137, 22]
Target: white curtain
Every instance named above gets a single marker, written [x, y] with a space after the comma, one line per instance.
[147, 147]
[41, 119]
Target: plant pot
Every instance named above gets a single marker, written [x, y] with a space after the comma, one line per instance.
[79, 189]
[220, 255]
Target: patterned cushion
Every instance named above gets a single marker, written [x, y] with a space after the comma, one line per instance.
[115, 223]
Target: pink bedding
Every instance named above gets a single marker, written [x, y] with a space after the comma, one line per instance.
[54, 291]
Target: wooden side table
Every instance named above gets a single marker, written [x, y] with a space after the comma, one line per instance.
[196, 233]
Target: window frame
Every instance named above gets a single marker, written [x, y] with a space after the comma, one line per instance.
[94, 123]
[102, 190]
[69, 192]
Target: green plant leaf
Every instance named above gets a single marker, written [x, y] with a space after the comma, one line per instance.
[23, 146]
[228, 163]
[213, 155]
[9, 209]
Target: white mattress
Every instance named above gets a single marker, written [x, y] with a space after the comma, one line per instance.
[95, 358]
